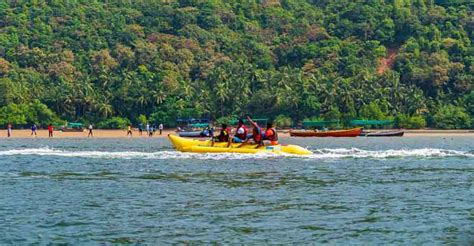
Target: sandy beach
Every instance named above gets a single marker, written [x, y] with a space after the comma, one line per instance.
[99, 133]
[439, 133]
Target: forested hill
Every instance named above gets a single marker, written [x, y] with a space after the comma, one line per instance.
[318, 59]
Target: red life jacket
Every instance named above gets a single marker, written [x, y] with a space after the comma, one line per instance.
[257, 134]
[224, 135]
[242, 136]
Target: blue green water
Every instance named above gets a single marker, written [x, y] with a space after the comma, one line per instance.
[351, 191]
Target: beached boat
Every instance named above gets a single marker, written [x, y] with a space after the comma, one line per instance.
[72, 127]
[205, 146]
[337, 133]
[191, 134]
[384, 134]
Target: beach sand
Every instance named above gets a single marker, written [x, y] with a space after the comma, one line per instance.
[99, 133]
[439, 133]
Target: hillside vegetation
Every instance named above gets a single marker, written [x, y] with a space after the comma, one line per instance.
[318, 59]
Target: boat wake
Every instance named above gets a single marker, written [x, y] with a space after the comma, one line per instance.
[340, 153]
[391, 153]
[128, 155]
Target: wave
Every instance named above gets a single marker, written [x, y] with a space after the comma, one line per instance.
[159, 155]
[391, 153]
[338, 153]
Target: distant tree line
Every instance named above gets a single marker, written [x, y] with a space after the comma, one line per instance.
[115, 62]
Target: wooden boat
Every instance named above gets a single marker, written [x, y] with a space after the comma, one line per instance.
[206, 146]
[337, 133]
[385, 134]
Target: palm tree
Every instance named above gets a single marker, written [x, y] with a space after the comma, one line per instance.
[142, 100]
[158, 96]
[187, 91]
[222, 94]
[104, 108]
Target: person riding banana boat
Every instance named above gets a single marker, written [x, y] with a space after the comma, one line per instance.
[258, 135]
[241, 133]
[224, 135]
[224, 142]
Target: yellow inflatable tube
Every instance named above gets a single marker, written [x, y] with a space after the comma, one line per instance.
[205, 146]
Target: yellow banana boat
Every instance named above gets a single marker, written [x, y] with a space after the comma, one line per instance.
[205, 146]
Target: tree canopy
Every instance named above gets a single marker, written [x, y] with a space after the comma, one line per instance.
[297, 59]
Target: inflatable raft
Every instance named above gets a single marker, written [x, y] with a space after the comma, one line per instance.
[205, 146]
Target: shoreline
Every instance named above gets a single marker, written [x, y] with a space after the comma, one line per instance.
[99, 133]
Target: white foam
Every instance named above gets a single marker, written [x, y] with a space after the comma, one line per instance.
[160, 155]
[391, 153]
[339, 153]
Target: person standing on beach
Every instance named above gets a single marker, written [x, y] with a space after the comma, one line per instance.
[129, 131]
[9, 130]
[50, 131]
[33, 130]
[150, 131]
[147, 129]
[161, 128]
[90, 131]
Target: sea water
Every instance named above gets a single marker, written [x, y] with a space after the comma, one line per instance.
[351, 191]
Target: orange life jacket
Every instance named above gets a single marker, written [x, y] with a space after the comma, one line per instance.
[272, 135]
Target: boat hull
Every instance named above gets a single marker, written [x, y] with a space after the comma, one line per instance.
[339, 133]
[72, 130]
[386, 134]
[193, 134]
[206, 146]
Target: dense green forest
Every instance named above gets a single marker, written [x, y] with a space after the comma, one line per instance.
[290, 60]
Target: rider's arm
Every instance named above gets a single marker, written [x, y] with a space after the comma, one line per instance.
[251, 121]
